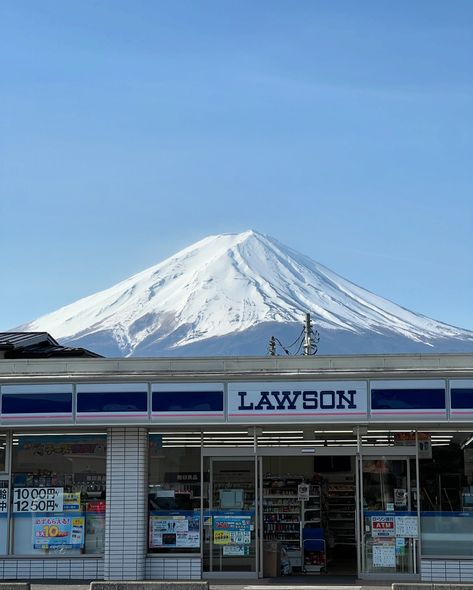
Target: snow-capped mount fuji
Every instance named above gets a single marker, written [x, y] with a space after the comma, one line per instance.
[227, 294]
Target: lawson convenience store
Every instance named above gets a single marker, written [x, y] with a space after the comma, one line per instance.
[237, 467]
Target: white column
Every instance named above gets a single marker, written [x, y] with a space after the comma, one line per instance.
[127, 504]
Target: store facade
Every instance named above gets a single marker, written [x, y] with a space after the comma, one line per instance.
[247, 467]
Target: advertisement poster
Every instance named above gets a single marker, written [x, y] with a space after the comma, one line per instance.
[384, 554]
[174, 530]
[95, 529]
[400, 546]
[71, 502]
[60, 531]
[409, 439]
[303, 491]
[382, 526]
[232, 530]
[400, 498]
[406, 526]
[222, 537]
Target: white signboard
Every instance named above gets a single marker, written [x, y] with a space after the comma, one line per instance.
[303, 491]
[297, 401]
[400, 498]
[38, 499]
[384, 555]
[406, 526]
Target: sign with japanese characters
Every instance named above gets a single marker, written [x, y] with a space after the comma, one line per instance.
[38, 499]
[400, 498]
[71, 502]
[382, 526]
[174, 530]
[406, 526]
[232, 530]
[64, 531]
[303, 491]
[384, 554]
[3, 496]
[236, 550]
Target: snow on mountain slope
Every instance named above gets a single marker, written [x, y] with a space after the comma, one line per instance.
[228, 284]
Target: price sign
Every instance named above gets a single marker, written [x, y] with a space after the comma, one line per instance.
[38, 499]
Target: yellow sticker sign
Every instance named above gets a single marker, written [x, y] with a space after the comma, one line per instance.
[222, 537]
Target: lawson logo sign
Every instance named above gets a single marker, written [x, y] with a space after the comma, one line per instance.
[297, 401]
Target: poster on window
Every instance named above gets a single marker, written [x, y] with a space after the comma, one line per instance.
[406, 526]
[71, 502]
[400, 546]
[174, 530]
[382, 526]
[232, 530]
[400, 498]
[236, 550]
[384, 554]
[38, 499]
[60, 532]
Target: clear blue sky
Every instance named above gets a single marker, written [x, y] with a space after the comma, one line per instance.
[130, 129]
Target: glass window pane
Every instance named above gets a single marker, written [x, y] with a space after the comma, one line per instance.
[174, 496]
[446, 496]
[230, 515]
[58, 494]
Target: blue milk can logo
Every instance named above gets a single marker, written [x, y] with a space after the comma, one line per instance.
[297, 400]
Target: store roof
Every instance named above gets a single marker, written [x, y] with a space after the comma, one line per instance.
[37, 345]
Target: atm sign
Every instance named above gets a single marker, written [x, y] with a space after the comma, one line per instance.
[382, 526]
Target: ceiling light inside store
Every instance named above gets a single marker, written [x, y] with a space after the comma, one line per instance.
[212, 432]
[282, 431]
[177, 432]
[317, 432]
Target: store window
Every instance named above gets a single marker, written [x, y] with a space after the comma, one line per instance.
[174, 498]
[446, 495]
[390, 529]
[58, 491]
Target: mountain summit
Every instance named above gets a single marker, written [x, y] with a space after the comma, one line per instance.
[227, 294]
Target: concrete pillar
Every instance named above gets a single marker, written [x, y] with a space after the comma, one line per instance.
[127, 504]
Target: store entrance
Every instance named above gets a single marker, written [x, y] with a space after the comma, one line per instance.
[309, 516]
[390, 532]
[230, 517]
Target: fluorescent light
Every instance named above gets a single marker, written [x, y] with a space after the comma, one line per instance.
[244, 432]
[283, 431]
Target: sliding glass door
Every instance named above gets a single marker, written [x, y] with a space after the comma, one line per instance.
[230, 517]
[389, 517]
